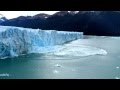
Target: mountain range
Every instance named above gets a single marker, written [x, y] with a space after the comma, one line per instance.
[2, 18]
[103, 23]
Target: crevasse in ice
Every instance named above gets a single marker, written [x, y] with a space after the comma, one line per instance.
[15, 41]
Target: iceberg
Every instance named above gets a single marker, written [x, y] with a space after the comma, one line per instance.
[15, 41]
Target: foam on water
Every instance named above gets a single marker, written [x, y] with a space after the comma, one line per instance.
[75, 49]
[80, 51]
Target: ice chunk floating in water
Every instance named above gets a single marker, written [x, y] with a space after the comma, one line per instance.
[15, 41]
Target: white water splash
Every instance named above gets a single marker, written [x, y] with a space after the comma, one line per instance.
[117, 67]
[76, 49]
[117, 78]
[58, 65]
[55, 71]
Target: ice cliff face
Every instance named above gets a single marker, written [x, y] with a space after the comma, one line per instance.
[15, 41]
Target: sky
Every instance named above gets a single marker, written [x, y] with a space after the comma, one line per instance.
[14, 14]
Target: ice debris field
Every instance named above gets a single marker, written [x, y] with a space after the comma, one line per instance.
[15, 41]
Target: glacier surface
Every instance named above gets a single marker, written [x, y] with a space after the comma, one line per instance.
[15, 41]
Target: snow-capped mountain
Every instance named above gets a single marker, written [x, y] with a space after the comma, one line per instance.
[105, 23]
[2, 18]
[42, 16]
[73, 12]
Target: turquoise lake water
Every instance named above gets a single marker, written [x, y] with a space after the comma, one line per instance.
[46, 66]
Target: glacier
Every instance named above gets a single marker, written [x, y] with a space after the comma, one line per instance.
[15, 41]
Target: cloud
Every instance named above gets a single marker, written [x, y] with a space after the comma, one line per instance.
[14, 14]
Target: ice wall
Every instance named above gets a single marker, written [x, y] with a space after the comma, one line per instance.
[15, 41]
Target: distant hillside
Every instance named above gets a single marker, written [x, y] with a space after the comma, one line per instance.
[105, 23]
